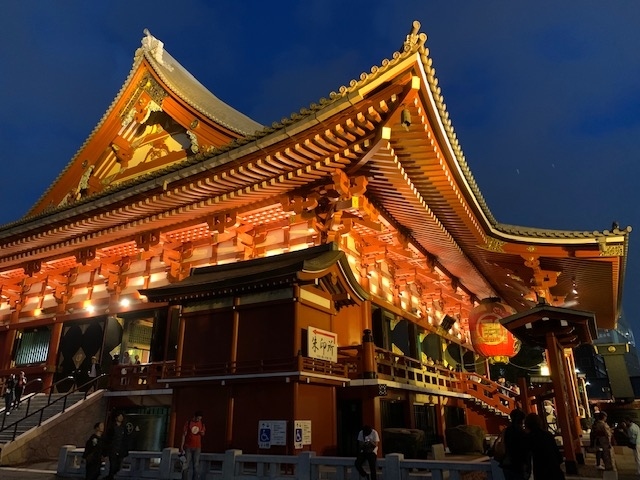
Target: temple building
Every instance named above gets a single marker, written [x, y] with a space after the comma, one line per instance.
[293, 281]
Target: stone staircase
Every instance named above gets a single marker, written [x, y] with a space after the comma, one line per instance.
[34, 411]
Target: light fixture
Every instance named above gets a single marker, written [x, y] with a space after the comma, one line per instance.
[406, 119]
[544, 366]
[544, 369]
[447, 322]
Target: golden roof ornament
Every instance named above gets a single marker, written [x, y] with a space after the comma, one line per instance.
[414, 38]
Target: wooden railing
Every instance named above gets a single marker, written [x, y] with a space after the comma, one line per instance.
[390, 366]
[151, 375]
[146, 376]
[483, 392]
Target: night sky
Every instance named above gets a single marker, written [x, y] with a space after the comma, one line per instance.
[543, 95]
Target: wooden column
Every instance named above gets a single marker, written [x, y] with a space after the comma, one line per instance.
[572, 406]
[557, 368]
[525, 399]
[575, 389]
[228, 436]
[442, 425]
[7, 348]
[52, 355]
[178, 363]
[181, 329]
[369, 369]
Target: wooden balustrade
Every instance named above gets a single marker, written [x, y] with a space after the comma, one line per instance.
[389, 366]
[150, 375]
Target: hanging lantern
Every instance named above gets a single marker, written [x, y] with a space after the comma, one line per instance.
[488, 337]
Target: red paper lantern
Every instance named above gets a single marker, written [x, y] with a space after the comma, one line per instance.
[488, 337]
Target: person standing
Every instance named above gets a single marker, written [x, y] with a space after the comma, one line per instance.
[516, 464]
[126, 358]
[93, 452]
[116, 443]
[20, 383]
[9, 392]
[191, 444]
[633, 431]
[95, 370]
[368, 440]
[601, 439]
[545, 453]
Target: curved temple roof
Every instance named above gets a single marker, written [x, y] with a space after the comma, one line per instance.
[187, 87]
[418, 178]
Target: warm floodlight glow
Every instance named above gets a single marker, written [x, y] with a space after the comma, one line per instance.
[544, 369]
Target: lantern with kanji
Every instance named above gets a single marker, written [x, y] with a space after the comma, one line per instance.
[488, 337]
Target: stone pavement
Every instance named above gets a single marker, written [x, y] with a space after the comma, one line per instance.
[625, 465]
[35, 471]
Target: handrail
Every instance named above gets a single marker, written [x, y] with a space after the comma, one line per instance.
[86, 386]
[42, 390]
[249, 367]
[32, 381]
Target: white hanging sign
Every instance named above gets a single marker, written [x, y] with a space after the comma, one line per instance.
[322, 344]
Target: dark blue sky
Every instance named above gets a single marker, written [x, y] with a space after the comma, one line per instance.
[543, 95]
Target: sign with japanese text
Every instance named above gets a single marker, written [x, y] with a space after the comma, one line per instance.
[322, 345]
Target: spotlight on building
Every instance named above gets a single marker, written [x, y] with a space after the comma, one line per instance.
[447, 322]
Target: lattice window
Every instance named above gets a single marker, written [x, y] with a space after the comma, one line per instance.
[33, 346]
[140, 334]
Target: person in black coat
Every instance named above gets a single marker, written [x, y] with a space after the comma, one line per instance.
[93, 452]
[9, 392]
[516, 464]
[544, 450]
[118, 439]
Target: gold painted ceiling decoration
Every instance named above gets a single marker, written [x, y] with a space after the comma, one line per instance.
[171, 170]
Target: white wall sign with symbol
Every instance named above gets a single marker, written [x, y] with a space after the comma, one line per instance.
[322, 344]
[301, 433]
[272, 432]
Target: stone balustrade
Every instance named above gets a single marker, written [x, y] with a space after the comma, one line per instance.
[235, 465]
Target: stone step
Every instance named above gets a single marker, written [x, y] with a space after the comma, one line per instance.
[36, 403]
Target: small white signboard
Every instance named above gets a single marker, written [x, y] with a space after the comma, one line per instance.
[278, 432]
[264, 434]
[301, 433]
[272, 432]
[322, 344]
